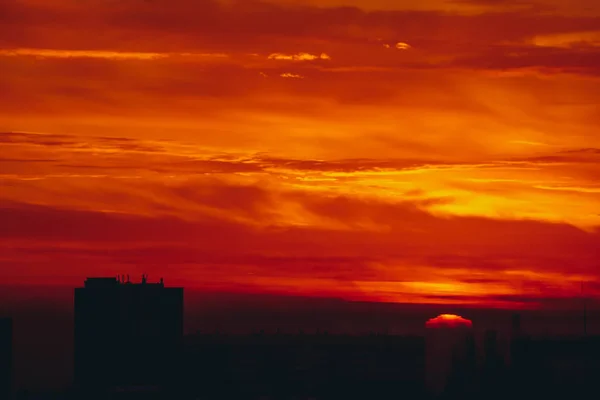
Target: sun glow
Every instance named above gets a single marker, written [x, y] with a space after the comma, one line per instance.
[448, 321]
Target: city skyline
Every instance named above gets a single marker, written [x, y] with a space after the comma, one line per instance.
[46, 333]
[129, 340]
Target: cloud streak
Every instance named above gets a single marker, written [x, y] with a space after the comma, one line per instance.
[290, 75]
[101, 54]
[298, 57]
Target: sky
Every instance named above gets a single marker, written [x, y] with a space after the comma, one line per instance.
[439, 151]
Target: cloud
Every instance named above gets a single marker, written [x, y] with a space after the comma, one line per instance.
[545, 60]
[100, 54]
[160, 28]
[523, 188]
[299, 57]
[252, 219]
[290, 75]
[393, 266]
[568, 40]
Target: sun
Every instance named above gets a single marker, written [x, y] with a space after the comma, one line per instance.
[448, 321]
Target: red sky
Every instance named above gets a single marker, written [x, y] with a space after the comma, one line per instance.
[387, 150]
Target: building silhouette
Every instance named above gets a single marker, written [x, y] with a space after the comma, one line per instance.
[127, 335]
[493, 374]
[6, 358]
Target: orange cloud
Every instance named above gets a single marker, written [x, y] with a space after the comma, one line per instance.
[568, 40]
[290, 75]
[191, 205]
[111, 55]
[299, 57]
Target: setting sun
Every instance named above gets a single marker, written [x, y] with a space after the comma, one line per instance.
[448, 320]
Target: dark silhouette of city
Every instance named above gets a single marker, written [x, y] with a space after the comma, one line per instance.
[129, 343]
[6, 358]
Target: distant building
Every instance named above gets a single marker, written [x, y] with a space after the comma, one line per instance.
[6, 358]
[493, 379]
[518, 342]
[450, 358]
[516, 325]
[127, 335]
[491, 349]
